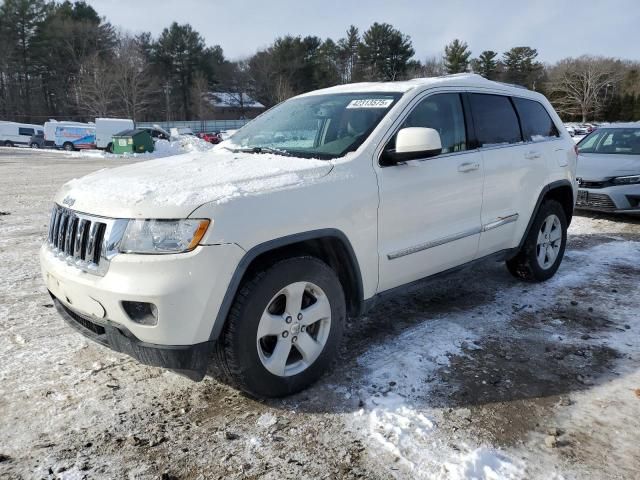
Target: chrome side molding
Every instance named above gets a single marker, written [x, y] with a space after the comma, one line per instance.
[452, 238]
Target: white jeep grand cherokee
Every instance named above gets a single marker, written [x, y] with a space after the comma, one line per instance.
[255, 253]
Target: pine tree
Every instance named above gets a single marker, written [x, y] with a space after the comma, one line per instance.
[348, 58]
[486, 65]
[456, 57]
[521, 67]
[385, 52]
[20, 21]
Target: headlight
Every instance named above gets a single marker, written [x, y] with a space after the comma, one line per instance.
[626, 180]
[162, 236]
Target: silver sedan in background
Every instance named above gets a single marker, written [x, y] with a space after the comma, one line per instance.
[609, 169]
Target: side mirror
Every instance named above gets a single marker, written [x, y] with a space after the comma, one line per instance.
[413, 143]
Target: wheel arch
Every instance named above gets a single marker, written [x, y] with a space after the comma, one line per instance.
[329, 245]
[562, 192]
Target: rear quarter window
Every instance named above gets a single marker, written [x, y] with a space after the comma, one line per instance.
[495, 120]
[537, 125]
[26, 131]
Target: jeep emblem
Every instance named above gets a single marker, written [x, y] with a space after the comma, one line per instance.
[68, 201]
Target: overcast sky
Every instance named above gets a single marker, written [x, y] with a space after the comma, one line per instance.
[557, 28]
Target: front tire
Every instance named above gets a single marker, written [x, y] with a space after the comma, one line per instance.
[284, 328]
[68, 146]
[543, 249]
[8, 144]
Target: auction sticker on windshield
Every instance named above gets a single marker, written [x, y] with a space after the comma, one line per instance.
[370, 103]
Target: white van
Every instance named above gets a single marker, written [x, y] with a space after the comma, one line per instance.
[106, 128]
[13, 133]
[54, 132]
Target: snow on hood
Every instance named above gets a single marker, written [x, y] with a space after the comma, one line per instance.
[594, 166]
[173, 187]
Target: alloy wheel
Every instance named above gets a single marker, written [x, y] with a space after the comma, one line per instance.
[294, 329]
[549, 242]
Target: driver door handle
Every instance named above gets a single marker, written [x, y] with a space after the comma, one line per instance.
[468, 167]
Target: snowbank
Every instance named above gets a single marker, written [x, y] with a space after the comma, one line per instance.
[163, 148]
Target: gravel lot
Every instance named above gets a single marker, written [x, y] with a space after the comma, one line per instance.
[470, 376]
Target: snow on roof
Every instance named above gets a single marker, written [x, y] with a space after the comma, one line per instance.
[231, 100]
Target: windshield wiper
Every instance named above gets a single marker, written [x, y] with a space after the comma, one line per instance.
[275, 151]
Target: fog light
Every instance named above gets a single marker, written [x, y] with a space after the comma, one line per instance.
[141, 312]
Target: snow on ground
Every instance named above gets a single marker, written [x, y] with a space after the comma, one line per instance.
[470, 376]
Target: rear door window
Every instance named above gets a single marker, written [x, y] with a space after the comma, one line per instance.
[495, 120]
[537, 125]
[26, 131]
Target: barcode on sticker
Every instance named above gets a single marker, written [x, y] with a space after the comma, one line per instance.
[370, 103]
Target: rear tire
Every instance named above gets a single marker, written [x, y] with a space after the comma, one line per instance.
[543, 249]
[109, 148]
[284, 328]
[68, 146]
[35, 145]
[8, 144]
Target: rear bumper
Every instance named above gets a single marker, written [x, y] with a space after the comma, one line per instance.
[188, 360]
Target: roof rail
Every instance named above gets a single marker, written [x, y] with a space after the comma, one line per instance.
[515, 85]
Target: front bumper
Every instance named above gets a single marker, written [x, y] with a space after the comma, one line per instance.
[187, 290]
[188, 360]
[612, 199]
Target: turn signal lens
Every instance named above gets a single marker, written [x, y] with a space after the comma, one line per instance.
[202, 229]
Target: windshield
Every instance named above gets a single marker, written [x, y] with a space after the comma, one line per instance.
[318, 126]
[619, 141]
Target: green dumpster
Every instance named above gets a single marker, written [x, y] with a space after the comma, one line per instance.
[132, 141]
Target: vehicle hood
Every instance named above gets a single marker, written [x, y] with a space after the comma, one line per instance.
[172, 187]
[593, 166]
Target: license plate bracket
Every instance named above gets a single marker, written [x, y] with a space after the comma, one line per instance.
[583, 196]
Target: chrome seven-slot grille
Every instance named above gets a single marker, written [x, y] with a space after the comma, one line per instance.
[77, 238]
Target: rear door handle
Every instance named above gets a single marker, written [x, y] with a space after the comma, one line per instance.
[532, 155]
[468, 167]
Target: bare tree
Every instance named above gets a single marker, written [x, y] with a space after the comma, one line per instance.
[199, 100]
[434, 66]
[95, 91]
[133, 83]
[578, 85]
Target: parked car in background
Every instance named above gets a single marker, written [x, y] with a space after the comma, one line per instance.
[570, 130]
[157, 132]
[609, 169]
[213, 137]
[582, 129]
[180, 131]
[106, 128]
[175, 261]
[14, 133]
[37, 140]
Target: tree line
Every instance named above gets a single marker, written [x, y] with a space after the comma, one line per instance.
[63, 60]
